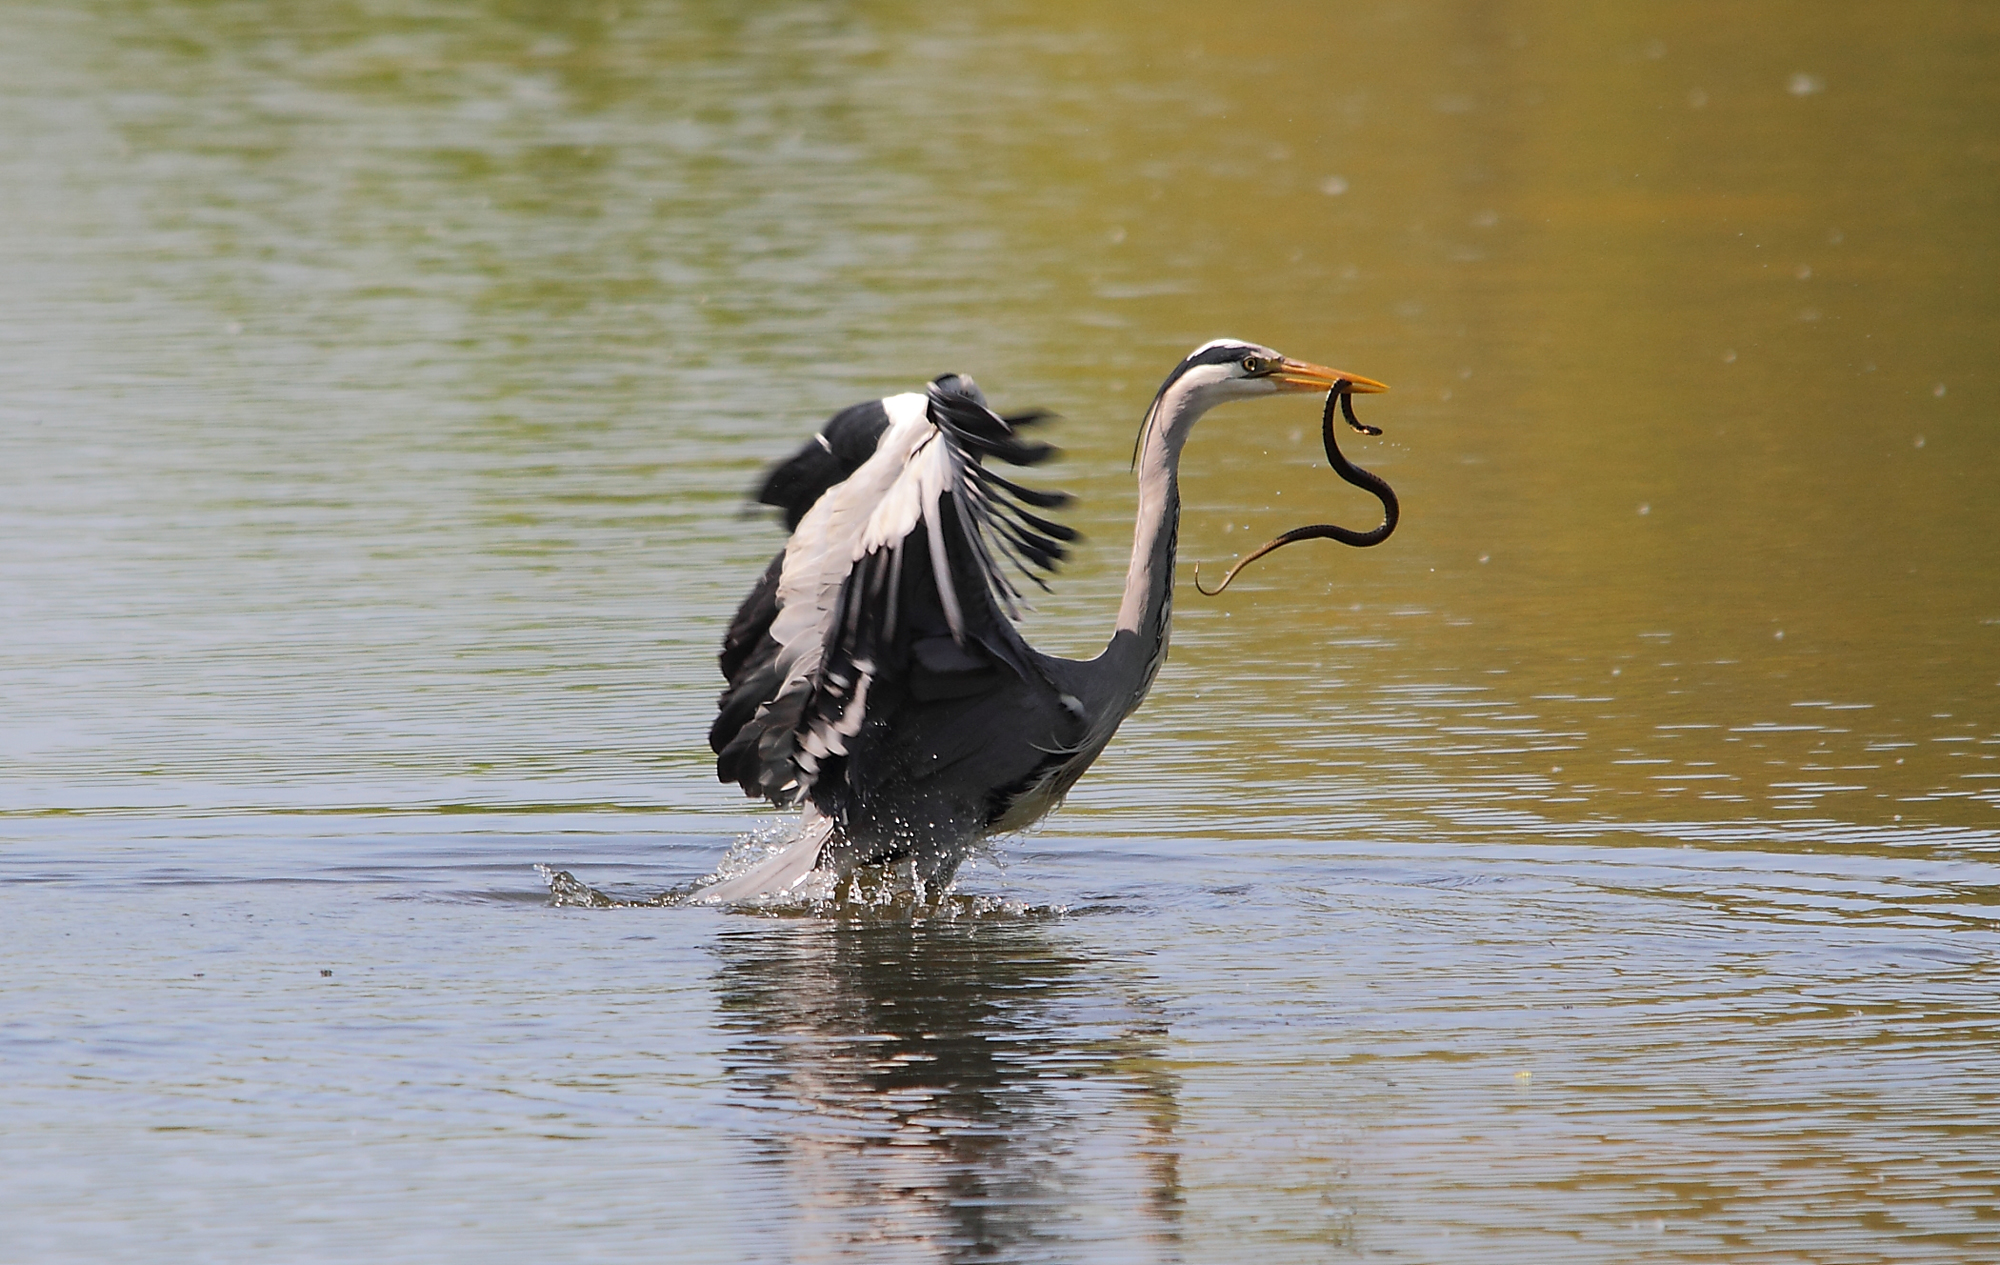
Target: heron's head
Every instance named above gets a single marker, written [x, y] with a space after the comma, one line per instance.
[1230, 369]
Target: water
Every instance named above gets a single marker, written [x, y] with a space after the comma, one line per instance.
[1603, 869]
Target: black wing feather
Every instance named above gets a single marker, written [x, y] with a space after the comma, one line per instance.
[889, 634]
[846, 441]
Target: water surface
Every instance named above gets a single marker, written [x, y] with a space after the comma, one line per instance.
[1603, 869]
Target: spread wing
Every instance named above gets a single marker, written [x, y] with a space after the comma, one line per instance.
[795, 485]
[897, 588]
[846, 441]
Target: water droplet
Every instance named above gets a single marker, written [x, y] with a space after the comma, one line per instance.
[1333, 186]
[1805, 272]
[1697, 98]
[1645, 508]
[1778, 635]
[1729, 357]
[1938, 390]
[1803, 85]
[1919, 442]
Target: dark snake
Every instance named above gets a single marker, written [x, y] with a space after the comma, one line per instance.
[1366, 480]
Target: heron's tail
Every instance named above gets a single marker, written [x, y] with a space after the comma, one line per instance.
[777, 874]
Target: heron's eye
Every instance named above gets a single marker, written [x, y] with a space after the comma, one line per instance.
[1254, 364]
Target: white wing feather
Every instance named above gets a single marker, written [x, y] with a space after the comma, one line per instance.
[874, 514]
[876, 508]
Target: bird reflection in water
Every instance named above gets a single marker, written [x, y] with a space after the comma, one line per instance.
[963, 1088]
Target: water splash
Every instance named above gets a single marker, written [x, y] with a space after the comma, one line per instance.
[567, 891]
[874, 893]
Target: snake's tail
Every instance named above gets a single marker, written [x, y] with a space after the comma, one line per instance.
[1241, 563]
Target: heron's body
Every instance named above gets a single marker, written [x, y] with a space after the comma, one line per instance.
[876, 672]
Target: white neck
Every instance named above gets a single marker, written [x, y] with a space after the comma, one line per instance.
[1149, 581]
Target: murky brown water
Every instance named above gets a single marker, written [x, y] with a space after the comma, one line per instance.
[1603, 869]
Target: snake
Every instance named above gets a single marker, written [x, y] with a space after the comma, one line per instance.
[1366, 480]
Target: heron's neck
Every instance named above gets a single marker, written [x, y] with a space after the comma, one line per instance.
[1149, 581]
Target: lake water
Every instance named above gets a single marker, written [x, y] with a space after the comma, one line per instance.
[1607, 868]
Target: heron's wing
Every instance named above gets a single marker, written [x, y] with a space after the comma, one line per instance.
[846, 441]
[894, 586]
[795, 485]
[840, 448]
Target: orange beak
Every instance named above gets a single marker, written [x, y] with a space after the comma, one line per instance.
[1301, 375]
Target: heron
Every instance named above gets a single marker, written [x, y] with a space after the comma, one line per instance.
[877, 674]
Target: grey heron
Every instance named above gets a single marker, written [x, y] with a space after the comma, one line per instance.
[877, 675]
